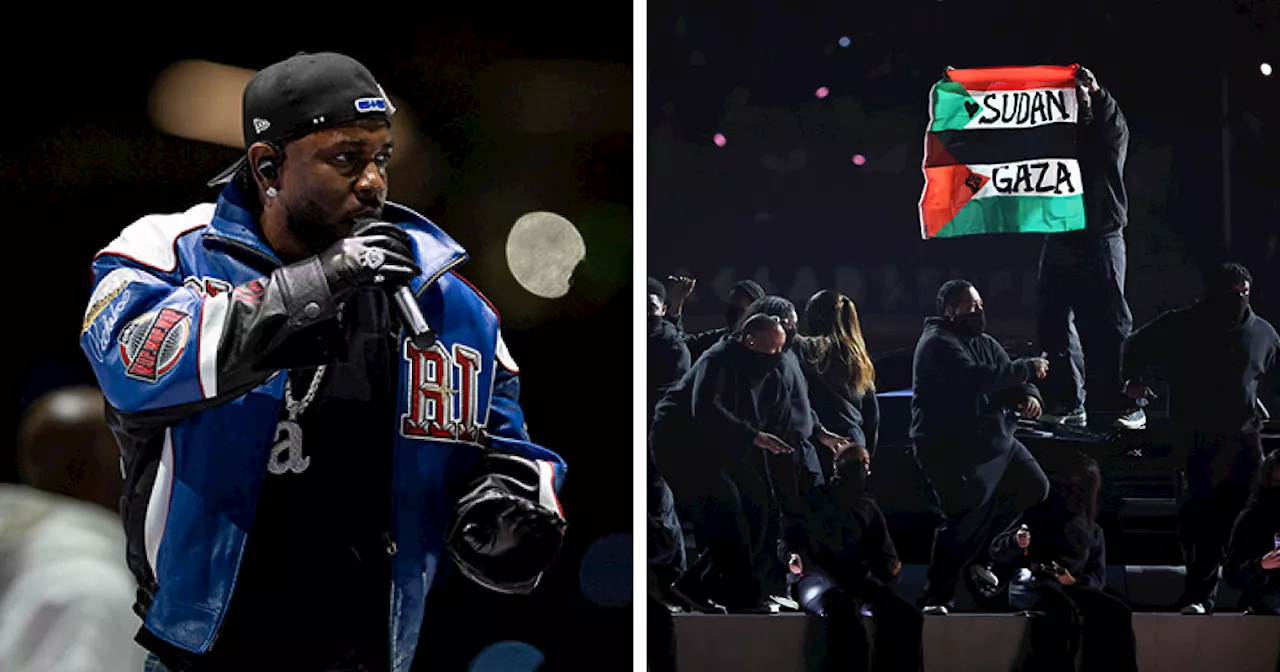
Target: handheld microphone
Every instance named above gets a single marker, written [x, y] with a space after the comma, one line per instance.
[411, 317]
[406, 306]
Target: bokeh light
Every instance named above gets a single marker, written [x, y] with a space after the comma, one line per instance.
[543, 249]
[844, 41]
[822, 92]
[1266, 69]
[604, 574]
[508, 656]
[719, 139]
[859, 159]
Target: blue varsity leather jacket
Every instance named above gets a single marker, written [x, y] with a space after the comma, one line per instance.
[190, 325]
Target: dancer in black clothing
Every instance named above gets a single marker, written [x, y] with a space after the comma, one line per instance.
[965, 394]
[668, 362]
[1057, 553]
[708, 437]
[1216, 353]
[841, 558]
[1253, 556]
[839, 372]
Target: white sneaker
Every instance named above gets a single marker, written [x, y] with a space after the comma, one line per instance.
[1133, 420]
[934, 610]
[785, 602]
[1065, 416]
[1194, 609]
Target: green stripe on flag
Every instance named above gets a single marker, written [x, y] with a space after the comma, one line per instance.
[950, 112]
[1016, 214]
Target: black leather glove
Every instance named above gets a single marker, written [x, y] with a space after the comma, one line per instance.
[376, 253]
[508, 529]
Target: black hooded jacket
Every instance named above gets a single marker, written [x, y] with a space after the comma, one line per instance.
[712, 415]
[1102, 147]
[842, 531]
[962, 391]
[1254, 535]
[1214, 366]
[1057, 535]
[840, 411]
[668, 359]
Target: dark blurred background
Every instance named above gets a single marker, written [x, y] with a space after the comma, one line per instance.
[500, 114]
[784, 200]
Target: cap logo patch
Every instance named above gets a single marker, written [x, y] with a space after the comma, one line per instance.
[260, 124]
[371, 105]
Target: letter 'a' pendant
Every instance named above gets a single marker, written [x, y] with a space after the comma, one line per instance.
[286, 454]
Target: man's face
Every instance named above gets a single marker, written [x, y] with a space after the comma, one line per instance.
[969, 303]
[768, 341]
[656, 306]
[789, 323]
[333, 177]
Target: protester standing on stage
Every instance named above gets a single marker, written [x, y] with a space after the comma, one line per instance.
[1082, 306]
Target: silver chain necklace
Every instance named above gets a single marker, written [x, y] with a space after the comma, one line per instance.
[286, 453]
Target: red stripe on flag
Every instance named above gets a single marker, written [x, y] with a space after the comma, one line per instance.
[947, 189]
[1015, 78]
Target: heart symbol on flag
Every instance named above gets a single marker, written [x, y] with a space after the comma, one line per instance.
[971, 107]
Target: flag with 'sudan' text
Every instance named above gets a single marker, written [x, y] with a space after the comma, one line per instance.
[1000, 153]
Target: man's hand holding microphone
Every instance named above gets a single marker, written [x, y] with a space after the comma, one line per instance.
[378, 253]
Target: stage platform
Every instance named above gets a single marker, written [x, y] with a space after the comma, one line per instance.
[976, 642]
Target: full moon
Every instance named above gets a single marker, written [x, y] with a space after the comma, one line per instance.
[543, 249]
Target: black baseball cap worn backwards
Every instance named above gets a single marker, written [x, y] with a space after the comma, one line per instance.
[304, 94]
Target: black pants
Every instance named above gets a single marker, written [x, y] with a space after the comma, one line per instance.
[666, 537]
[732, 518]
[898, 627]
[1082, 308]
[976, 501]
[661, 646]
[1219, 471]
[1075, 618]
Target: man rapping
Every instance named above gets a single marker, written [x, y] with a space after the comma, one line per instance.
[299, 472]
[965, 391]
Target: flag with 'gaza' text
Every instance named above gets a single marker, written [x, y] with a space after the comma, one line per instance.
[1000, 153]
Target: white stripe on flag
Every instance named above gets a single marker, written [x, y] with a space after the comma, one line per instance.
[1023, 109]
[212, 321]
[1037, 177]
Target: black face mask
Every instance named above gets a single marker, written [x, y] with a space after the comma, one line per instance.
[755, 364]
[1228, 310]
[732, 315]
[655, 323]
[972, 324]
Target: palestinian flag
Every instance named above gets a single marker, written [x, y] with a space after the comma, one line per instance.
[1000, 153]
